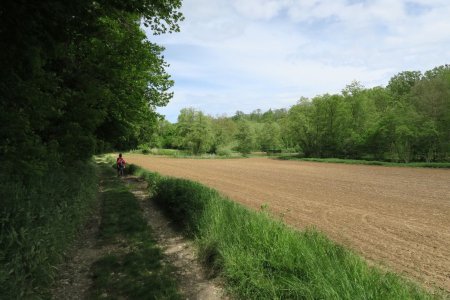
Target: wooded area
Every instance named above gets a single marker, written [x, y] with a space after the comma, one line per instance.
[76, 78]
[408, 120]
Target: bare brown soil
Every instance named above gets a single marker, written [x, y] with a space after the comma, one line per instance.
[398, 218]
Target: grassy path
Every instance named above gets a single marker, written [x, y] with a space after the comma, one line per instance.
[117, 256]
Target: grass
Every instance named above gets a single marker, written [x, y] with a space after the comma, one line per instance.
[175, 153]
[444, 165]
[136, 270]
[261, 258]
[39, 220]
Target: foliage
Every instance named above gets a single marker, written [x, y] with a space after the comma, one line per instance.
[78, 77]
[260, 258]
[268, 137]
[409, 120]
[194, 130]
[245, 137]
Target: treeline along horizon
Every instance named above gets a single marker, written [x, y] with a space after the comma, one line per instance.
[408, 120]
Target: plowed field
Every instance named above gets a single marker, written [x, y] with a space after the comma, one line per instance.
[395, 217]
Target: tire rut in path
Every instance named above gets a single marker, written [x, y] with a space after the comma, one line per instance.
[75, 276]
[178, 251]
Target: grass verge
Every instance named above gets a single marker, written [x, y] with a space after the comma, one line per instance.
[135, 270]
[443, 165]
[262, 258]
[39, 220]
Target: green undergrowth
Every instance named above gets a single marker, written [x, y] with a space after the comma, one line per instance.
[444, 165]
[135, 270]
[261, 258]
[174, 153]
[40, 219]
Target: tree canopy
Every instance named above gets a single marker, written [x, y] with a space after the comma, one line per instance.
[78, 77]
[408, 120]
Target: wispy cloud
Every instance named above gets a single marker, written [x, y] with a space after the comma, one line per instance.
[242, 55]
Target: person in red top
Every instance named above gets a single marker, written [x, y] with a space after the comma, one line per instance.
[120, 165]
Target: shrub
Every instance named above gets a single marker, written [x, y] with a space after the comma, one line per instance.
[222, 151]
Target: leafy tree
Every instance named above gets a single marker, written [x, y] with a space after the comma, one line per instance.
[402, 83]
[224, 130]
[359, 115]
[302, 128]
[77, 77]
[245, 137]
[195, 130]
[431, 98]
[268, 137]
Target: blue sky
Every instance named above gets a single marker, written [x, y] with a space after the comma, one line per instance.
[246, 54]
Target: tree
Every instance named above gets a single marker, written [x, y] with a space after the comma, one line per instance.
[224, 130]
[268, 137]
[77, 77]
[401, 84]
[431, 99]
[302, 128]
[195, 130]
[245, 137]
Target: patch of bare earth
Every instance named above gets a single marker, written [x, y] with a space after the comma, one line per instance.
[179, 252]
[75, 277]
[395, 217]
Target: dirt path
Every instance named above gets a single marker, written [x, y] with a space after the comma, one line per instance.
[395, 217]
[179, 252]
[75, 276]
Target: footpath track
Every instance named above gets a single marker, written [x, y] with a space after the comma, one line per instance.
[116, 257]
[398, 218]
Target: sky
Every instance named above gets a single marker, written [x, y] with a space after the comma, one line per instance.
[244, 55]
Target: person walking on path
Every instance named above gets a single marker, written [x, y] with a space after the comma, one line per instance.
[120, 165]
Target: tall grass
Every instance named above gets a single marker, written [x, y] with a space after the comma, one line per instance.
[262, 258]
[222, 152]
[39, 220]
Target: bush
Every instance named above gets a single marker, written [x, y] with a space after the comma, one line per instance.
[144, 148]
[222, 151]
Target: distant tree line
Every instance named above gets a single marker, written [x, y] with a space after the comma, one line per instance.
[408, 120]
[78, 77]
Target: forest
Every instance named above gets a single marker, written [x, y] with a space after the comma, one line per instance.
[77, 78]
[408, 120]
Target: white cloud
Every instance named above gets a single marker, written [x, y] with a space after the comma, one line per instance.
[242, 55]
[259, 9]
